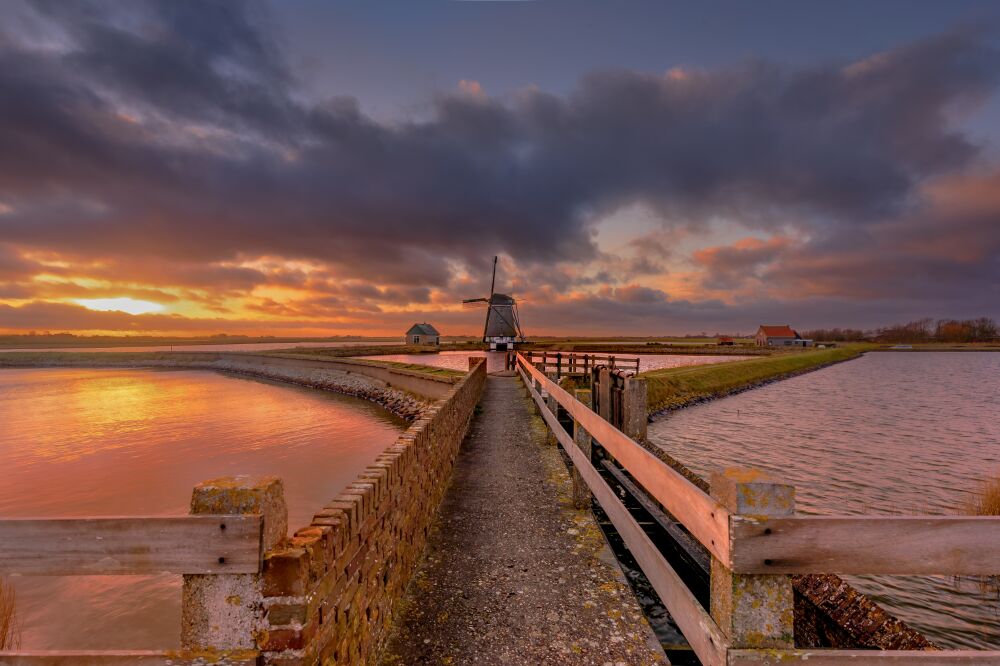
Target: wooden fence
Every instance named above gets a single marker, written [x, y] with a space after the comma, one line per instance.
[749, 527]
[205, 545]
[572, 364]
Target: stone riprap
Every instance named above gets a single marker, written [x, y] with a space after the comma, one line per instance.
[331, 591]
[334, 376]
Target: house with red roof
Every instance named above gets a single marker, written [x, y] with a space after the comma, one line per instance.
[780, 336]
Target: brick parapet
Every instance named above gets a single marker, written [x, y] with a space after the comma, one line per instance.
[331, 590]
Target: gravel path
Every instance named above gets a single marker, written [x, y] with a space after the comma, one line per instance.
[513, 574]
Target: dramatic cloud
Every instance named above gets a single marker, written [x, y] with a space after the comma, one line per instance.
[164, 151]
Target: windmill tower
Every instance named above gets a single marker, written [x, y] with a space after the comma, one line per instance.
[502, 328]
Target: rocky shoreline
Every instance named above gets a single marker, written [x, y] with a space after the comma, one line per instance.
[400, 403]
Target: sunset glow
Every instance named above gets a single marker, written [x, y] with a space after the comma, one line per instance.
[277, 179]
[123, 304]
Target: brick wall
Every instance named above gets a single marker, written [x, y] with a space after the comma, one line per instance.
[331, 589]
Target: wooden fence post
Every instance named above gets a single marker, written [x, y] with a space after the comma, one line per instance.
[581, 494]
[753, 610]
[634, 408]
[226, 611]
[603, 389]
[550, 399]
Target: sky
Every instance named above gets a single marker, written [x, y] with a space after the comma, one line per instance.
[641, 168]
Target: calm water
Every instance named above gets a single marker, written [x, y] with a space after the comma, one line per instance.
[456, 360]
[244, 346]
[135, 442]
[883, 434]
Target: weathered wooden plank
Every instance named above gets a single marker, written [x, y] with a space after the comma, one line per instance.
[133, 545]
[124, 657]
[947, 545]
[698, 627]
[706, 519]
[862, 657]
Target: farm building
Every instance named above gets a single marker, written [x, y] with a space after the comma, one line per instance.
[423, 334]
[780, 336]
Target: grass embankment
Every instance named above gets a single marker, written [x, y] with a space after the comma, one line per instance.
[95, 359]
[411, 367]
[672, 388]
[685, 348]
[43, 359]
[376, 350]
[65, 341]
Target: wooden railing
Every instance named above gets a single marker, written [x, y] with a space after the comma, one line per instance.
[571, 363]
[131, 546]
[208, 544]
[754, 535]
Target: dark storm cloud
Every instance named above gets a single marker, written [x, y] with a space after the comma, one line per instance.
[174, 131]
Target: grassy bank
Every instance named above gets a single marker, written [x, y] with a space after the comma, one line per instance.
[626, 348]
[46, 359]
[375, 350]
[672, 388]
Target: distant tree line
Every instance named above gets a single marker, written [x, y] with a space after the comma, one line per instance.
[982, 329]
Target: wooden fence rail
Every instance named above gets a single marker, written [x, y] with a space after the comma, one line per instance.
[129, 658]
[946, 545]
[749, 545]
[204, 544]
[234, 522]
[573, 363]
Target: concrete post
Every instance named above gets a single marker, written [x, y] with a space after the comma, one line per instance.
[634, 406]
[226, 611]
[550, 400]
[553, 406]
[754, 611]
[604, 393]
[581, 493]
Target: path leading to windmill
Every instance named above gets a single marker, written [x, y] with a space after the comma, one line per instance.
[513, 574]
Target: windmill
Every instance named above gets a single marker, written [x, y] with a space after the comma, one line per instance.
[502, 328]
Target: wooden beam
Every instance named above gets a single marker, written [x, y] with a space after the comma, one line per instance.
[706, 519]
[703, 634]
[862, 657]
[126, 657]
[144, 545]
[932, 545]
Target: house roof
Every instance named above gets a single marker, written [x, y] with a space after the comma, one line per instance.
[422, 329]
[784, 331]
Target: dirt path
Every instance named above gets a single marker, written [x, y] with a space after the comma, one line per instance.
[513, 573]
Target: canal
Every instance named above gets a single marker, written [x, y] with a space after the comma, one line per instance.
[135, 442]
[888, 433]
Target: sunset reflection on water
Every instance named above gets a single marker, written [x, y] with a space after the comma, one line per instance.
[80, 442]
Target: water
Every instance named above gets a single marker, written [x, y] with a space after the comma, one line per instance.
[238, 346]
[135, 442]
[883, 434]
[456, 360]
